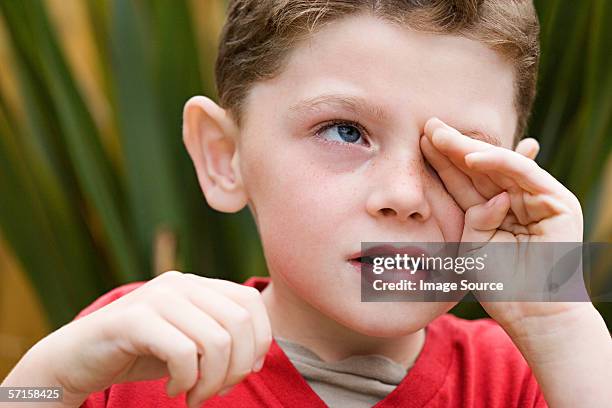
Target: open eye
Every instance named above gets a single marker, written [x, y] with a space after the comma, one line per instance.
[343, 132]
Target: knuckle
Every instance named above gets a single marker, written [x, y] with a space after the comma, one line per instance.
[184, 350]
[193, 277]
[200, 343]
[251, 294]
[241, 317]
[157, 293]
[221, 341]
[136, 313]
[576, 203]
[170, 275]
[160, 290]
[469, 213]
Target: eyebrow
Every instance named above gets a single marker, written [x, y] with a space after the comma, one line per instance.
[355, 105]
[358, 106]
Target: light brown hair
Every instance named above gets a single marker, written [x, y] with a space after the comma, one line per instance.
[258, 35]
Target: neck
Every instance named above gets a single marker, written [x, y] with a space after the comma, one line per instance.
[295, 320]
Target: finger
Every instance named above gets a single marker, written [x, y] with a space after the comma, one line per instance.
[527, 207]
[541, 206]
[214, 366]
[454, 145]
[150, 334]
[525, 172]
[512, 225]
[212, 340]
[504, 182]
[238, 323]
[145, 368]
[528, 147]
[235, 319]
[251, 300]
[456, 182]
[517, 204]
[450, 141]
[483, 220]
[484, 184]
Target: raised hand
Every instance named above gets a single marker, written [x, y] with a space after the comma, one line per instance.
[205, 334]
[506, 197]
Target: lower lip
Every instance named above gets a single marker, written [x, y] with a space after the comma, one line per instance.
[394, 275]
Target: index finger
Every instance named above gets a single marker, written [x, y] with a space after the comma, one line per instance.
[456, 182]
[452, 142]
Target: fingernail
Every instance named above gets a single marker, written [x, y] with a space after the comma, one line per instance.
[443, 123]
[169, 389]
[225, 390]
[440, 137]
[430, 122]
[495, 200]
[259, 364]
[471, 157]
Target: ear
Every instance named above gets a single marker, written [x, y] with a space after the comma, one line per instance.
[210, 135]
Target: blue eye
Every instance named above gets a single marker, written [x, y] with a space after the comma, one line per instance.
[344, 133]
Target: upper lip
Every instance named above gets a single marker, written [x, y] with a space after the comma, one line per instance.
[390, 250]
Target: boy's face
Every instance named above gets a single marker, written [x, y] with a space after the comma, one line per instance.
[329, 156]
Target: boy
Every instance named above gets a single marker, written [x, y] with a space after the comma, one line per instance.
[327, 129]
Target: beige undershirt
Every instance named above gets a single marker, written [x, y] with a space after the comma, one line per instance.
[357, 381]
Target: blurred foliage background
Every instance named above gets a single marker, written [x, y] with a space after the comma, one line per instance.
[96, 188]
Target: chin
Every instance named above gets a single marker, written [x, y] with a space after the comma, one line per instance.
[388, 319]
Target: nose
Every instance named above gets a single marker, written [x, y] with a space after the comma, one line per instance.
[399, 191]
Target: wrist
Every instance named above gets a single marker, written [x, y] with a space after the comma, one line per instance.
[570, 354]
[37, 368]
[559, 336]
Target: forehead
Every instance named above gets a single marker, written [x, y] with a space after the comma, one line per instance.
[397, 75]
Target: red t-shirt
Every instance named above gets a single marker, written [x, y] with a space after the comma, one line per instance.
[462, 364]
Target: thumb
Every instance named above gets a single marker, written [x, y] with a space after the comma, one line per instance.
[483, 220]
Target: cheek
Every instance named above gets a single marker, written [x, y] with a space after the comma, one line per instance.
[287, 194]
[295, 204]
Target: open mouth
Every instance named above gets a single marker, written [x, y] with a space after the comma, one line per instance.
[405, 263]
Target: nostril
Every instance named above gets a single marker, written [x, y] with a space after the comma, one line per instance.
[387, 211]
[390, 212]
[417, 216]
